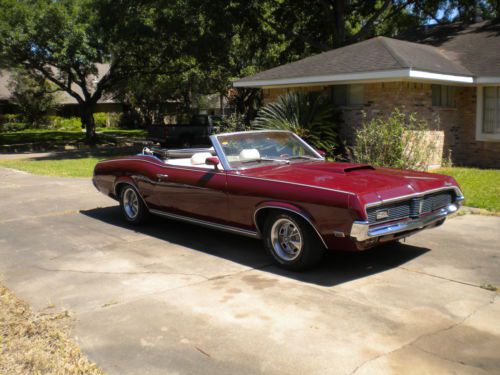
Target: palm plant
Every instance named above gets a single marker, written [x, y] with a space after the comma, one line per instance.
[309, 115]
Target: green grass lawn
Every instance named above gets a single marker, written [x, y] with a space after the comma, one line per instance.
[481, 187]
[57, 136]
[76, 167]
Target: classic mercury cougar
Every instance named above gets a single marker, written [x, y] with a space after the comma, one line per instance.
[274, 186]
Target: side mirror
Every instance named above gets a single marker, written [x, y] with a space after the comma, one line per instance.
[321, 152]
[213, 160]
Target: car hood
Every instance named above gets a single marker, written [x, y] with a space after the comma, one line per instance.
[370, 184]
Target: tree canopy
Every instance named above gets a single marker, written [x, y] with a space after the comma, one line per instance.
[160, 49]
[66, 40]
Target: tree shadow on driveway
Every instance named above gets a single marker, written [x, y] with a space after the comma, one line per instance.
[337, 267]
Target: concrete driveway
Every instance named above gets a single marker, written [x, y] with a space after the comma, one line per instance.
[172, 298]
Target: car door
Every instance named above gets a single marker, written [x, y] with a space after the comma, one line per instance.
[194, 192]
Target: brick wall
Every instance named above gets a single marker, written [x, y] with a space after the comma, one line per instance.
[270, 95]
[456, 125]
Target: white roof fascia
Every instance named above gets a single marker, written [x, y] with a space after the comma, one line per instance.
[487, 80]
[381, 75]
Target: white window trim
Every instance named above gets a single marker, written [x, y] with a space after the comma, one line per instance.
[480, 136]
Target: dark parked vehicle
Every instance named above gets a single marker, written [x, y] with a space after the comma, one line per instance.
[196, 132]
[274, 186]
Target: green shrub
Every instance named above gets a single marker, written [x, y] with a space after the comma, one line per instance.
[107, 119]
[399, 141]
[102, 120]
[62, 123]
[233, 123]
[309, 115]
[10, 118]
[10, 127]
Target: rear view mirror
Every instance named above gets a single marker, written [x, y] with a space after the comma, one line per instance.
[213, 160]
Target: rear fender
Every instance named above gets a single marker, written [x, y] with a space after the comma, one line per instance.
[123, 180]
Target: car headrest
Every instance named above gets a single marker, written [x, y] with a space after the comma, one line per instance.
[249, 154]
[200, 157]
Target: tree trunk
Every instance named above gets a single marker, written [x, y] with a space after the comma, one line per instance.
[340, 8]
[87, 118]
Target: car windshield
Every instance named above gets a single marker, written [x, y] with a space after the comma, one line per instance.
[251, 149]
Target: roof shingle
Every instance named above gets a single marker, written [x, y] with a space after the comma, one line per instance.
[476, 46]
[454, 50]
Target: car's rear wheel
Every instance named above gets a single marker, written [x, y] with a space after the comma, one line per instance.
[292, 242]
[133, 208]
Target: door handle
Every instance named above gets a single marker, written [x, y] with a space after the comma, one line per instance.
[160, 176]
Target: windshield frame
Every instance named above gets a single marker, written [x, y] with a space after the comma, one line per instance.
[225, 163]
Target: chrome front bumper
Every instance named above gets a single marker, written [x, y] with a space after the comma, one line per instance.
[362, 231]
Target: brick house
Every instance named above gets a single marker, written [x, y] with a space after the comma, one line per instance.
[449, 75]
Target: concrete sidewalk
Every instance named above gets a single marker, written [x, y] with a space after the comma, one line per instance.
[172, 298]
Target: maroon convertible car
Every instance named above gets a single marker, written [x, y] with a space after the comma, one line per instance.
[273, 185]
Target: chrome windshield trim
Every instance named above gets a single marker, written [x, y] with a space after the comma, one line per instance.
[308, 146]
[208, 224]
[362, 231]
[220, 152]
[254, 131]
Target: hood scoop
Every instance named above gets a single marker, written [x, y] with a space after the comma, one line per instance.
[342, 168]
[359, 167]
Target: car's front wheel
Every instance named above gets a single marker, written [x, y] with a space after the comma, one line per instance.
[292, 242]
[133, 208]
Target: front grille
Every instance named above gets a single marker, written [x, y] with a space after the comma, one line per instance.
[395, 211]
[411, 208]
[436, 201]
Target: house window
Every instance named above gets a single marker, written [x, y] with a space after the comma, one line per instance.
[347, 95]
[491, 110]
[488, 113]
[443, 96]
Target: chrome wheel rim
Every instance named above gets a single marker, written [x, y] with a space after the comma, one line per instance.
[131, 203]
[286, 239]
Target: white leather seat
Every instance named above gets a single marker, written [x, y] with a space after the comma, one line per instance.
[200, 157]
[249, 154]
[180, 162]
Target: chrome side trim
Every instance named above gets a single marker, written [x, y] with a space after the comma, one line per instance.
[292, 183]
[208, 224]
[287, 209]
[361, 230]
